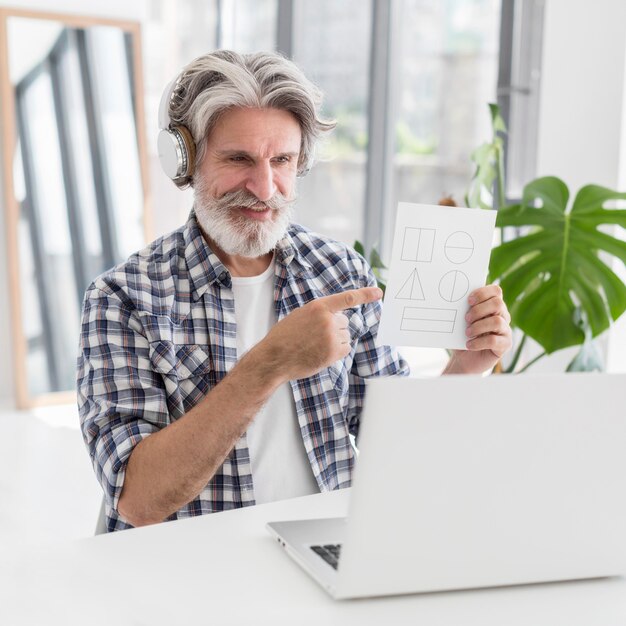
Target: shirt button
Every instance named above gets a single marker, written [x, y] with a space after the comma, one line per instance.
[222, 276]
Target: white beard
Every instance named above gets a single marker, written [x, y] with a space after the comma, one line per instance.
[236, 234]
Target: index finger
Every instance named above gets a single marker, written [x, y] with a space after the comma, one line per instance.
[351, 298]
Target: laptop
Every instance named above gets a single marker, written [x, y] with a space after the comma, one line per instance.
[466, 482]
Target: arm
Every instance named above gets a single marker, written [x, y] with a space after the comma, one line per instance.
[169, 468]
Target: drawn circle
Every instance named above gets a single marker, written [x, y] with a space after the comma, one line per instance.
[453, 286]
[459, 247]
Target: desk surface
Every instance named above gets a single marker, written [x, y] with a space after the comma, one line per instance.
[226, 569]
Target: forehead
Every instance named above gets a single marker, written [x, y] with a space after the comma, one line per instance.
[256, 130]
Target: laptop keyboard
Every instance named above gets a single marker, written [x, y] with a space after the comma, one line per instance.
[330, 553]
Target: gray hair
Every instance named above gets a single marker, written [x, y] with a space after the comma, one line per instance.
[222, 80]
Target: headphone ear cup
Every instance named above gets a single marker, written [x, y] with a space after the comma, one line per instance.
[190, 146]
[177, 152]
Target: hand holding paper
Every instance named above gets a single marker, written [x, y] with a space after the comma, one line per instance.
[487, 332]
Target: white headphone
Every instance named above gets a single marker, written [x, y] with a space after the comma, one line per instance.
[176, 147]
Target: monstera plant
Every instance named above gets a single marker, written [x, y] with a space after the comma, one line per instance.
[555, 278]
[555, 275]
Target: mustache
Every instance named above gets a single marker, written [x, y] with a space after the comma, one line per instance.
[243, 198]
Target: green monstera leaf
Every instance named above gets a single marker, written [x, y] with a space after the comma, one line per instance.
[556, 274]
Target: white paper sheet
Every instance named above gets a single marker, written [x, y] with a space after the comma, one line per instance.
[440, 255]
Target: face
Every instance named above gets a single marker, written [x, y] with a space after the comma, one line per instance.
[245, 184]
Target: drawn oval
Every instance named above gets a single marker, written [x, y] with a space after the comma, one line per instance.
[459, 247]
[453, 286]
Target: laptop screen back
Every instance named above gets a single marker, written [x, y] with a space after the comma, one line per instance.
[467, 482]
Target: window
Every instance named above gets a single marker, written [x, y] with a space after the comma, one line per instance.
[447, 63]
[331, 43]
[45, 212]
[408, 82]
[247, 25]
[76, 126]
[116, 135]
[518, 89]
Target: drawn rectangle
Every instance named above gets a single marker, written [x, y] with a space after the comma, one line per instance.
[418, 244]
[429, 313]
[428, 320]
[426, 245]
[410, 245]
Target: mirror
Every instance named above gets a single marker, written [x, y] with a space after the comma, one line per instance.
[75, 186]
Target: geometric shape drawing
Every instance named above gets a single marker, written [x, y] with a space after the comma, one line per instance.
[412, 288]
[427, 320]
[459, 247]
[453, 286]
[418, 244]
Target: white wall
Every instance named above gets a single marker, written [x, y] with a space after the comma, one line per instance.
[118, 9]
[582, 138]
[617, 347]
[582, 91]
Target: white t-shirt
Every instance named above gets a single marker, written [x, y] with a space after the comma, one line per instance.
[280, 466]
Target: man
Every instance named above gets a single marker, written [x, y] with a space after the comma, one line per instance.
[224, 365]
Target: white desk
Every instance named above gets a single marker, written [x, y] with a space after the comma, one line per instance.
[225, 569]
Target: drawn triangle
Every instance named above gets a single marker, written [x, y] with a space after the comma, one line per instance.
[412, 288]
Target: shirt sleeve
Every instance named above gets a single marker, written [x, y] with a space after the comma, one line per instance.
[120, 398]
[370, 358]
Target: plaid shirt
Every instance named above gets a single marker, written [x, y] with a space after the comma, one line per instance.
[159, 332]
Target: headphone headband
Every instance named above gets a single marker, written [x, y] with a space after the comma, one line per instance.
[177, 150]
[164, 105]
